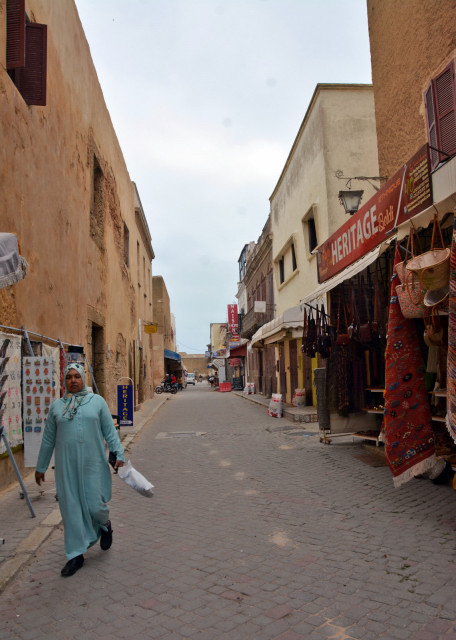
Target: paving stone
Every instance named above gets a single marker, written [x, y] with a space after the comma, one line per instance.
[243, 539]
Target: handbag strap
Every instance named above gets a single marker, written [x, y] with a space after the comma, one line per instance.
[324, 319]
[436, 226]
[304, 325]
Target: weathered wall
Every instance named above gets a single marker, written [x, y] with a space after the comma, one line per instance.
[411, 42]
[163, 339]
[72, 234]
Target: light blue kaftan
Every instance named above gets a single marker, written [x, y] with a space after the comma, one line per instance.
[82, 474]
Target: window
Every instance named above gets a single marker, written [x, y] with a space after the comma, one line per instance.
[126, 246]
[440, 101]
[309, 229]
[242, 263]
[282, 270]
[312, 232]
[97, 209]
[26, 53]
[294, 265]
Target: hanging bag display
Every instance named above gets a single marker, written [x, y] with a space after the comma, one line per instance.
[433, 333]
[401, 267]
[311, 341]
[432, 268]
[323, 339]
[353, 327]
[342, 338]
[411, 297]
[409, 293]
[304, 332]
[365, 328]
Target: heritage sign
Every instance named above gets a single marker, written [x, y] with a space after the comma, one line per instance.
[405, 195]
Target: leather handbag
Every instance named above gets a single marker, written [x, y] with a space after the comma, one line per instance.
[323, 338]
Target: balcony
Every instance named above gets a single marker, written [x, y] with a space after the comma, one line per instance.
[253, 320]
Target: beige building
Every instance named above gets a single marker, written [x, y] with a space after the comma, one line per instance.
[66, 192]
[337, 135]
[195, 363]
[165, 357]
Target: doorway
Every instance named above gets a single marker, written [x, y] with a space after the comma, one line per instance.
[98, 358]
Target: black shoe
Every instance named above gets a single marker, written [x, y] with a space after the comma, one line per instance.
[72, 566]
[106, 537]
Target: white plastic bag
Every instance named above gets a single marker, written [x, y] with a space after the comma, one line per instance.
[135, 480]
[275, 405]
[299, 398]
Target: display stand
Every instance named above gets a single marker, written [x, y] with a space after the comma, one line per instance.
[18, 475]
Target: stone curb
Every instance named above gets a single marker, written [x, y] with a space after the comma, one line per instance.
[28, 547]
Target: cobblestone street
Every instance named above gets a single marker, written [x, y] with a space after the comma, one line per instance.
[252, 533]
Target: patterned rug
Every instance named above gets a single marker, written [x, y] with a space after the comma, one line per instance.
[10, 389]
[451, 364]
[409, 439]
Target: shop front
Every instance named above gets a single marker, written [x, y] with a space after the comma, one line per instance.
[388, 369]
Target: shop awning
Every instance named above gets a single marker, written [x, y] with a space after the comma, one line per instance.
[12, 265]
[292, 319]
[276, 329]
[238, 352]
[172, 355]
[346, 274]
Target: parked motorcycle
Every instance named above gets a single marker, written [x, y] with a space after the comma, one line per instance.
[166, 387]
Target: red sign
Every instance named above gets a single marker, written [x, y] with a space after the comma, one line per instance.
[235, 362]
[406, 194]
[233, 322]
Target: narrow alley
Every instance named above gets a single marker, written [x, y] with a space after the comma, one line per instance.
[251, 533]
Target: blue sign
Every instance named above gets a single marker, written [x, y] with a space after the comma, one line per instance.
[125, 404]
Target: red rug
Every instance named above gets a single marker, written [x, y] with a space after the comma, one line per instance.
[451, 364]
[409, 439]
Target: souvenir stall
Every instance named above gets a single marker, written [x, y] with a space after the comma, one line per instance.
[409, 364]
[349, 342]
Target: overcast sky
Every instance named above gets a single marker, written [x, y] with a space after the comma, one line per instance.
[206, 97]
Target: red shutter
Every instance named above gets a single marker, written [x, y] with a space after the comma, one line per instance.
[445, 110]
[31, 79]
[431, 126]
[15, 34]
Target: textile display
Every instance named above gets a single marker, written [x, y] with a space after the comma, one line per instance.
[13, 267]
[39, 392]
[408, 434]
[59, 361]
[10, 389]
[451, 362]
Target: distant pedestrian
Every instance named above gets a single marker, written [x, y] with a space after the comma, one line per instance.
[76, 428]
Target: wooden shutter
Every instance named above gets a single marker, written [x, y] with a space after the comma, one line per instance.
[431, 126]
[445, 110]
[31, 79]
[15, 34]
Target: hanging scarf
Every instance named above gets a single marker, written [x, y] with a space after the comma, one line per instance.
[409, 438]
[72, 401]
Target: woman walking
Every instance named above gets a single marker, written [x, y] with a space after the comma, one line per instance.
[76, 428]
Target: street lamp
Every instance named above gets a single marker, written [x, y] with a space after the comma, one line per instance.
[350, 200]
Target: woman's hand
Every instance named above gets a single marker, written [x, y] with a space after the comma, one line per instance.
[118, 464]
[39, 477]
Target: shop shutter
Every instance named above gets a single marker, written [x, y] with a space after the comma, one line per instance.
[432, 127]
[440, 101]
[15, 34]
[31, 79]
[445, 110]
